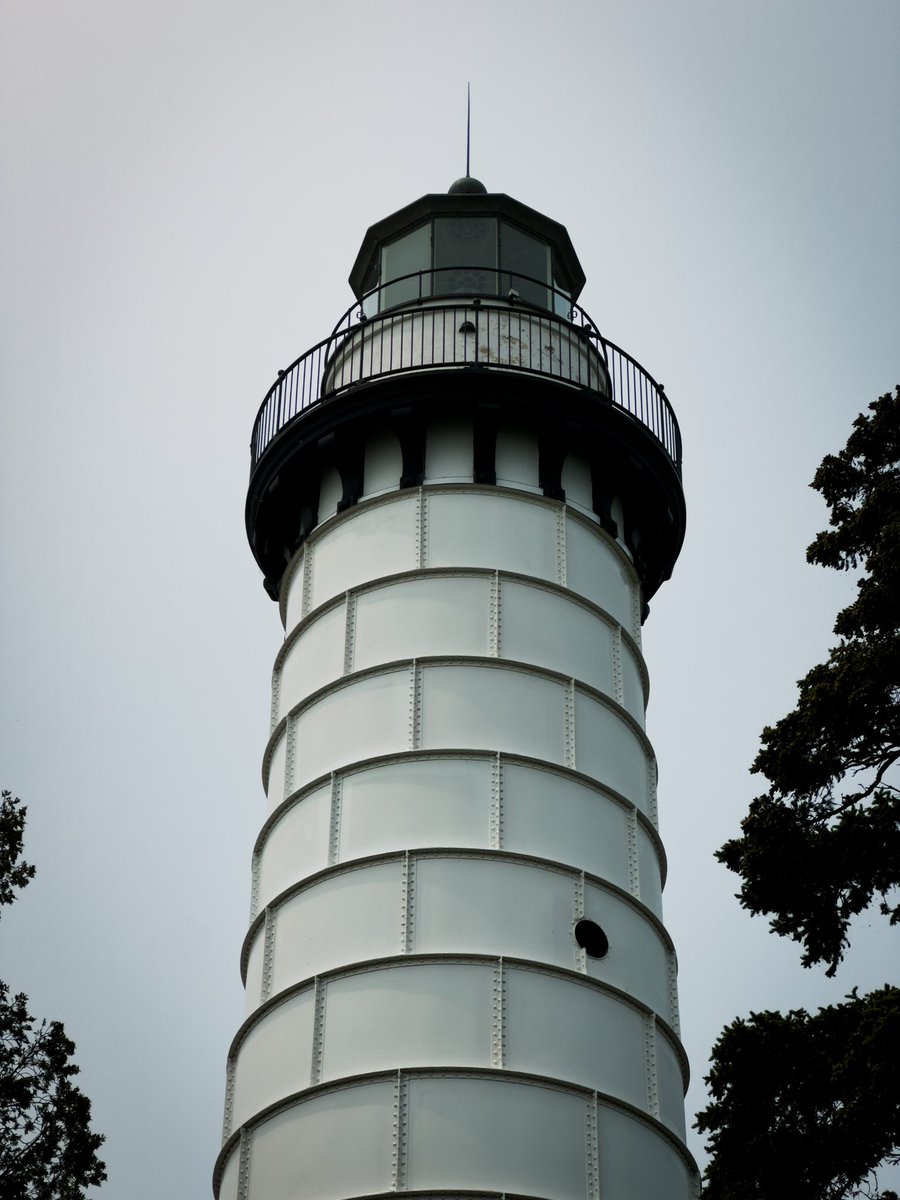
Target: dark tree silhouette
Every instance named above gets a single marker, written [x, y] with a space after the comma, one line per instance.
[808, 1106]
[805, 1106]
[47, 1148]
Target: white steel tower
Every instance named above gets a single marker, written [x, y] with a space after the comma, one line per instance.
[458, 979]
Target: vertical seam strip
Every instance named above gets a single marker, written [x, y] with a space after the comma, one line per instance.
[307, 579]
[289, 754]
[569, 732]
[498, 1015]
[634, 875]
[592, 1149]
[673, 993]
[407, 904]
[496, 814]
[561, 569]
[334, 823]
[244, 1165]
[398, 1147]
[651, 791]
[494, 617]
[618, 689]
[577, 914]
[650, 1064]
[415, 707]
[230, 1070]
[265, 987]
[349, 630]
[255, 872]
[276, 698]
[318, 1040]
[636, 613]
[422, 529]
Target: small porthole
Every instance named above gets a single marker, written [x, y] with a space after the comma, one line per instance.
[467, 327]
[591, 938]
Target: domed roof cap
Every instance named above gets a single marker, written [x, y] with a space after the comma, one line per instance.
[467, 186]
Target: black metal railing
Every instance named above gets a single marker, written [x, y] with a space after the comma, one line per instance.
[443, 332]
[447, 283]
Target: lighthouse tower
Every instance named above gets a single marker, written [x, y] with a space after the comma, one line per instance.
[458, 979]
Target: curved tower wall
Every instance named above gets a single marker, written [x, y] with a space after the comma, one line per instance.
[457, 774]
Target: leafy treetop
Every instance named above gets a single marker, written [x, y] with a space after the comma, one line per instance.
[13, 874]
[805, 1105]
[824, 841]
[47, 1148]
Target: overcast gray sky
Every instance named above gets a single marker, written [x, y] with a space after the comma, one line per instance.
[185, 185]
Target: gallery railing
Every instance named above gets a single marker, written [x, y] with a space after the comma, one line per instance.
[433, 328]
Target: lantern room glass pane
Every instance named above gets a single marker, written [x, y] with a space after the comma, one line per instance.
[404, 256]
[465, 256]
[523, 260]
[370, 293]
[562, 300]
[562, 296]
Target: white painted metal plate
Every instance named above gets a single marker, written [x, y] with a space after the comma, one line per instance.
[671, 1086]
[430, 802]
[493, 708]
[367, 542]
[496, 1134]
[275, 786]
[550, 630]
[228, 1186]
[560, 818]
[638, 1164]
[413, 1015]
[632, 684]
[348, 917]
[297, 846]
[292, 588]
[418, 617]
[367, 717]
[610, 750]
[492, 530]
[490, 906]
[313, 659]
[575, 1032]
[330, 1146]
[649, 872]
[637, 961]
[253, 985]
[596, 570]
[274, 1058]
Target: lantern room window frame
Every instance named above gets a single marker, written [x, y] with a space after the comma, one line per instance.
[466, 254]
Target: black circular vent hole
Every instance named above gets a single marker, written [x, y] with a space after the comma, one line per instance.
[591, 938]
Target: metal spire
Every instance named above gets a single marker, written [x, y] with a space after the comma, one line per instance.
[468, 125]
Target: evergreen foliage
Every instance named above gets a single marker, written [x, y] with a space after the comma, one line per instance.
[808, 1105]
[824, 841]
[47, 1148]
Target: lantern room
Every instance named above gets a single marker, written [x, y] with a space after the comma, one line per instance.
[471, 243]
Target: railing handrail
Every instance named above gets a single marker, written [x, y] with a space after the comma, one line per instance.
[575, 315]
[618, 356]
[305, 382]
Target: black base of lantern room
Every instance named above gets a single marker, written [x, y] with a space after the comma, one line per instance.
[627, 460]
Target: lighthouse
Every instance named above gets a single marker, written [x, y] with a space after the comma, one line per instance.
[457, 974]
